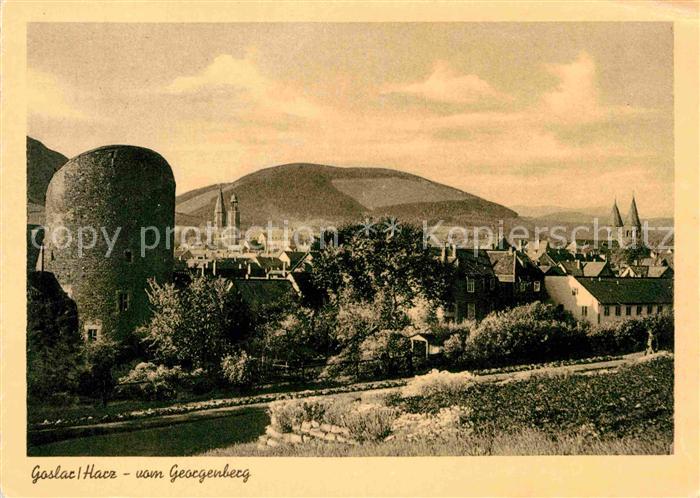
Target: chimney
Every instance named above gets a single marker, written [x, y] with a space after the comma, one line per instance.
[284, 268]
[443, 253]
[453, 250]
[213, 267]
[578, 264]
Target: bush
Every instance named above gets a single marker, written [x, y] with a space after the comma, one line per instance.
[632, 335]
[366, 422]
[385, 354]
[286, 414]
[533, 333]
[437, 383]
[602, 339]
[153, 382]
[662, 329]
[370, 422]
[239, 369]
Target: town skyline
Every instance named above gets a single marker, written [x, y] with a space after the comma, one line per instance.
[517, 114]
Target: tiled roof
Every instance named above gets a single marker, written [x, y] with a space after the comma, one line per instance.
[503, 262]
[474, 262]
[269, 263]
[295, 257]
[586, 268]
[650, 271]
[629, 290]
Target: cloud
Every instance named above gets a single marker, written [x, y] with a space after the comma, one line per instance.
[445, 85]
[253, 89]
[576, 99]
[48, 97]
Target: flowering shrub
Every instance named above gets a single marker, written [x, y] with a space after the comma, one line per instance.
[239, 369]
[153, 382]
[370, 422]
[437, 382]
[366, 422]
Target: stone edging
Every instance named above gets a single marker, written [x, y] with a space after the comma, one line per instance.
[305, 433]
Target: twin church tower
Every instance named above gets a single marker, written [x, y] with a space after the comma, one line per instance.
[631, 230]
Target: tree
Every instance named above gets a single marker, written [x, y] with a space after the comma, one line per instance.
[99, 378]
[54, 343]
[195, 326]
[384, 264]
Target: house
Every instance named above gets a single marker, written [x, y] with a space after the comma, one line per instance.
[608, 299]
[475, 288]
[297, 261]
[580, 268]
[520, 281]
[643, 271]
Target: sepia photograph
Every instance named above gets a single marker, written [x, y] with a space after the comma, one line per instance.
[350, 239]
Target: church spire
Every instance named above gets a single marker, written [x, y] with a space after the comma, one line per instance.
[219, 212]
[616, 220]
[633, 215]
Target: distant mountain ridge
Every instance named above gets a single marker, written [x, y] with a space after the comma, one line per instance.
[304, 192]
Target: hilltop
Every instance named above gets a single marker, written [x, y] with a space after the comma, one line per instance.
[302, 193]
[42, 163]
[314, 193]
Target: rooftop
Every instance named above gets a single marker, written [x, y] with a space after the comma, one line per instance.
[629, 290]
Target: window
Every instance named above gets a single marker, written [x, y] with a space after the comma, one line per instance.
[649, 308]
[92, 331]
[128, 256]
[471, 311]
[606, 311]
[618, 310]
[523, 286]
[574, 291]
[470, 285]
[122, 301]
[584, 310]
[659, 309]
[536, 285]
[628, 310]
[639, 309]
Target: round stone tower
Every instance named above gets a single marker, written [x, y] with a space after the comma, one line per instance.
[110, 215]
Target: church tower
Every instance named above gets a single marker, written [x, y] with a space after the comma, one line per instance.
[615, 217]
[633, 226]
[234, 219]
[219, 213]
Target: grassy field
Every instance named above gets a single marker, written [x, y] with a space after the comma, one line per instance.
[628, 411]
[526, 442]
[176, 440]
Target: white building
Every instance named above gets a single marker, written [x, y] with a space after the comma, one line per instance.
[599, 300]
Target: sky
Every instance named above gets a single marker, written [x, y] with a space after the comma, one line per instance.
[561, 114]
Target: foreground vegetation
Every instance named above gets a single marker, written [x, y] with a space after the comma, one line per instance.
[628, 411]
[362, 302]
